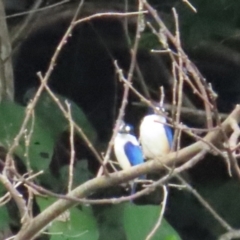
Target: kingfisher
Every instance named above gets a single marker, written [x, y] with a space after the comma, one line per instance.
[156, 137]
[127, 150]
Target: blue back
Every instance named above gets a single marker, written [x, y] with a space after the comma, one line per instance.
[134, 153]
[169, 134]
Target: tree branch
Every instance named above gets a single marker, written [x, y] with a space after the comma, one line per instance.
[86, 189]
[6, 71]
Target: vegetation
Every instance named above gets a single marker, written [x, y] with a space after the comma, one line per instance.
[59, 178]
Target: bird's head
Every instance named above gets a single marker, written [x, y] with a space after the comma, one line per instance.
[126, 128]
[155, 109]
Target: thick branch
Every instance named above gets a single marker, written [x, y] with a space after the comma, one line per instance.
[91, 186]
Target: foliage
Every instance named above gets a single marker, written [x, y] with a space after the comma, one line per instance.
[210, 25]
[121, 221]
[76, 223]
[47, 123]
[45, 127]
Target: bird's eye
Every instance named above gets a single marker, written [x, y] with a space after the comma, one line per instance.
[128, 129]
[160, 109]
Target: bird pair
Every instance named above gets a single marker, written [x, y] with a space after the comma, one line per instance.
[155, 138]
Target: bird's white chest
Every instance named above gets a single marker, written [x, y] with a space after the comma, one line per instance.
[120, 141]
[153, 137]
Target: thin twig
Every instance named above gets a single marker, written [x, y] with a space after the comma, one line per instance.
[180, 126]
[186, 112]
[158, 223]
[17, 36]
[78, 128]
[180, 70]
[18, 198]
[233, 161]
[190, 67]
[145, 191]
[161, 35]
[33, 103]
[126, 89]
[33, 10]
[109, 14]
[28, 137]
[195, 151]
[205, 204]
[190, 5]
[72, 151]
[140, 77]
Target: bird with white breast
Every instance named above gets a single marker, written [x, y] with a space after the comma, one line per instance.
[127, 149]
[156, 136]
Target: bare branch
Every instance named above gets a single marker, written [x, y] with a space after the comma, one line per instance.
[86, 189]
[23, 29]
[72, 151]
[6, 71]
[18, 198]
[126, 87]
[158, 223]
[205, 204]
[234, 234]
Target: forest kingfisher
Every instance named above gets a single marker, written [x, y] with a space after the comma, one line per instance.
[155, 136]
[127, 149]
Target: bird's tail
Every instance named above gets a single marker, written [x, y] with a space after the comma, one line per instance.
[133, 185]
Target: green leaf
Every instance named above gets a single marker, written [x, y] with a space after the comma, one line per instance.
[128, 221]
[81, 174]
[210, 23]
[140, 220]
[52, 117]
[43, 129]
[41, 142]
[73, 224]
[4, 218]
[110, 221]
[52, 123]
[11, 117]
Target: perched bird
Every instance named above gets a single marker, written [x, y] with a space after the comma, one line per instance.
[155, 136]
[127, 149]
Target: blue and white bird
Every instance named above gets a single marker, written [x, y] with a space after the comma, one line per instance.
[155, 136]
[127, 149]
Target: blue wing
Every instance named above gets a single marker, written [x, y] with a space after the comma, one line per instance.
[135, 157]
[169, 134]
[133, 153]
